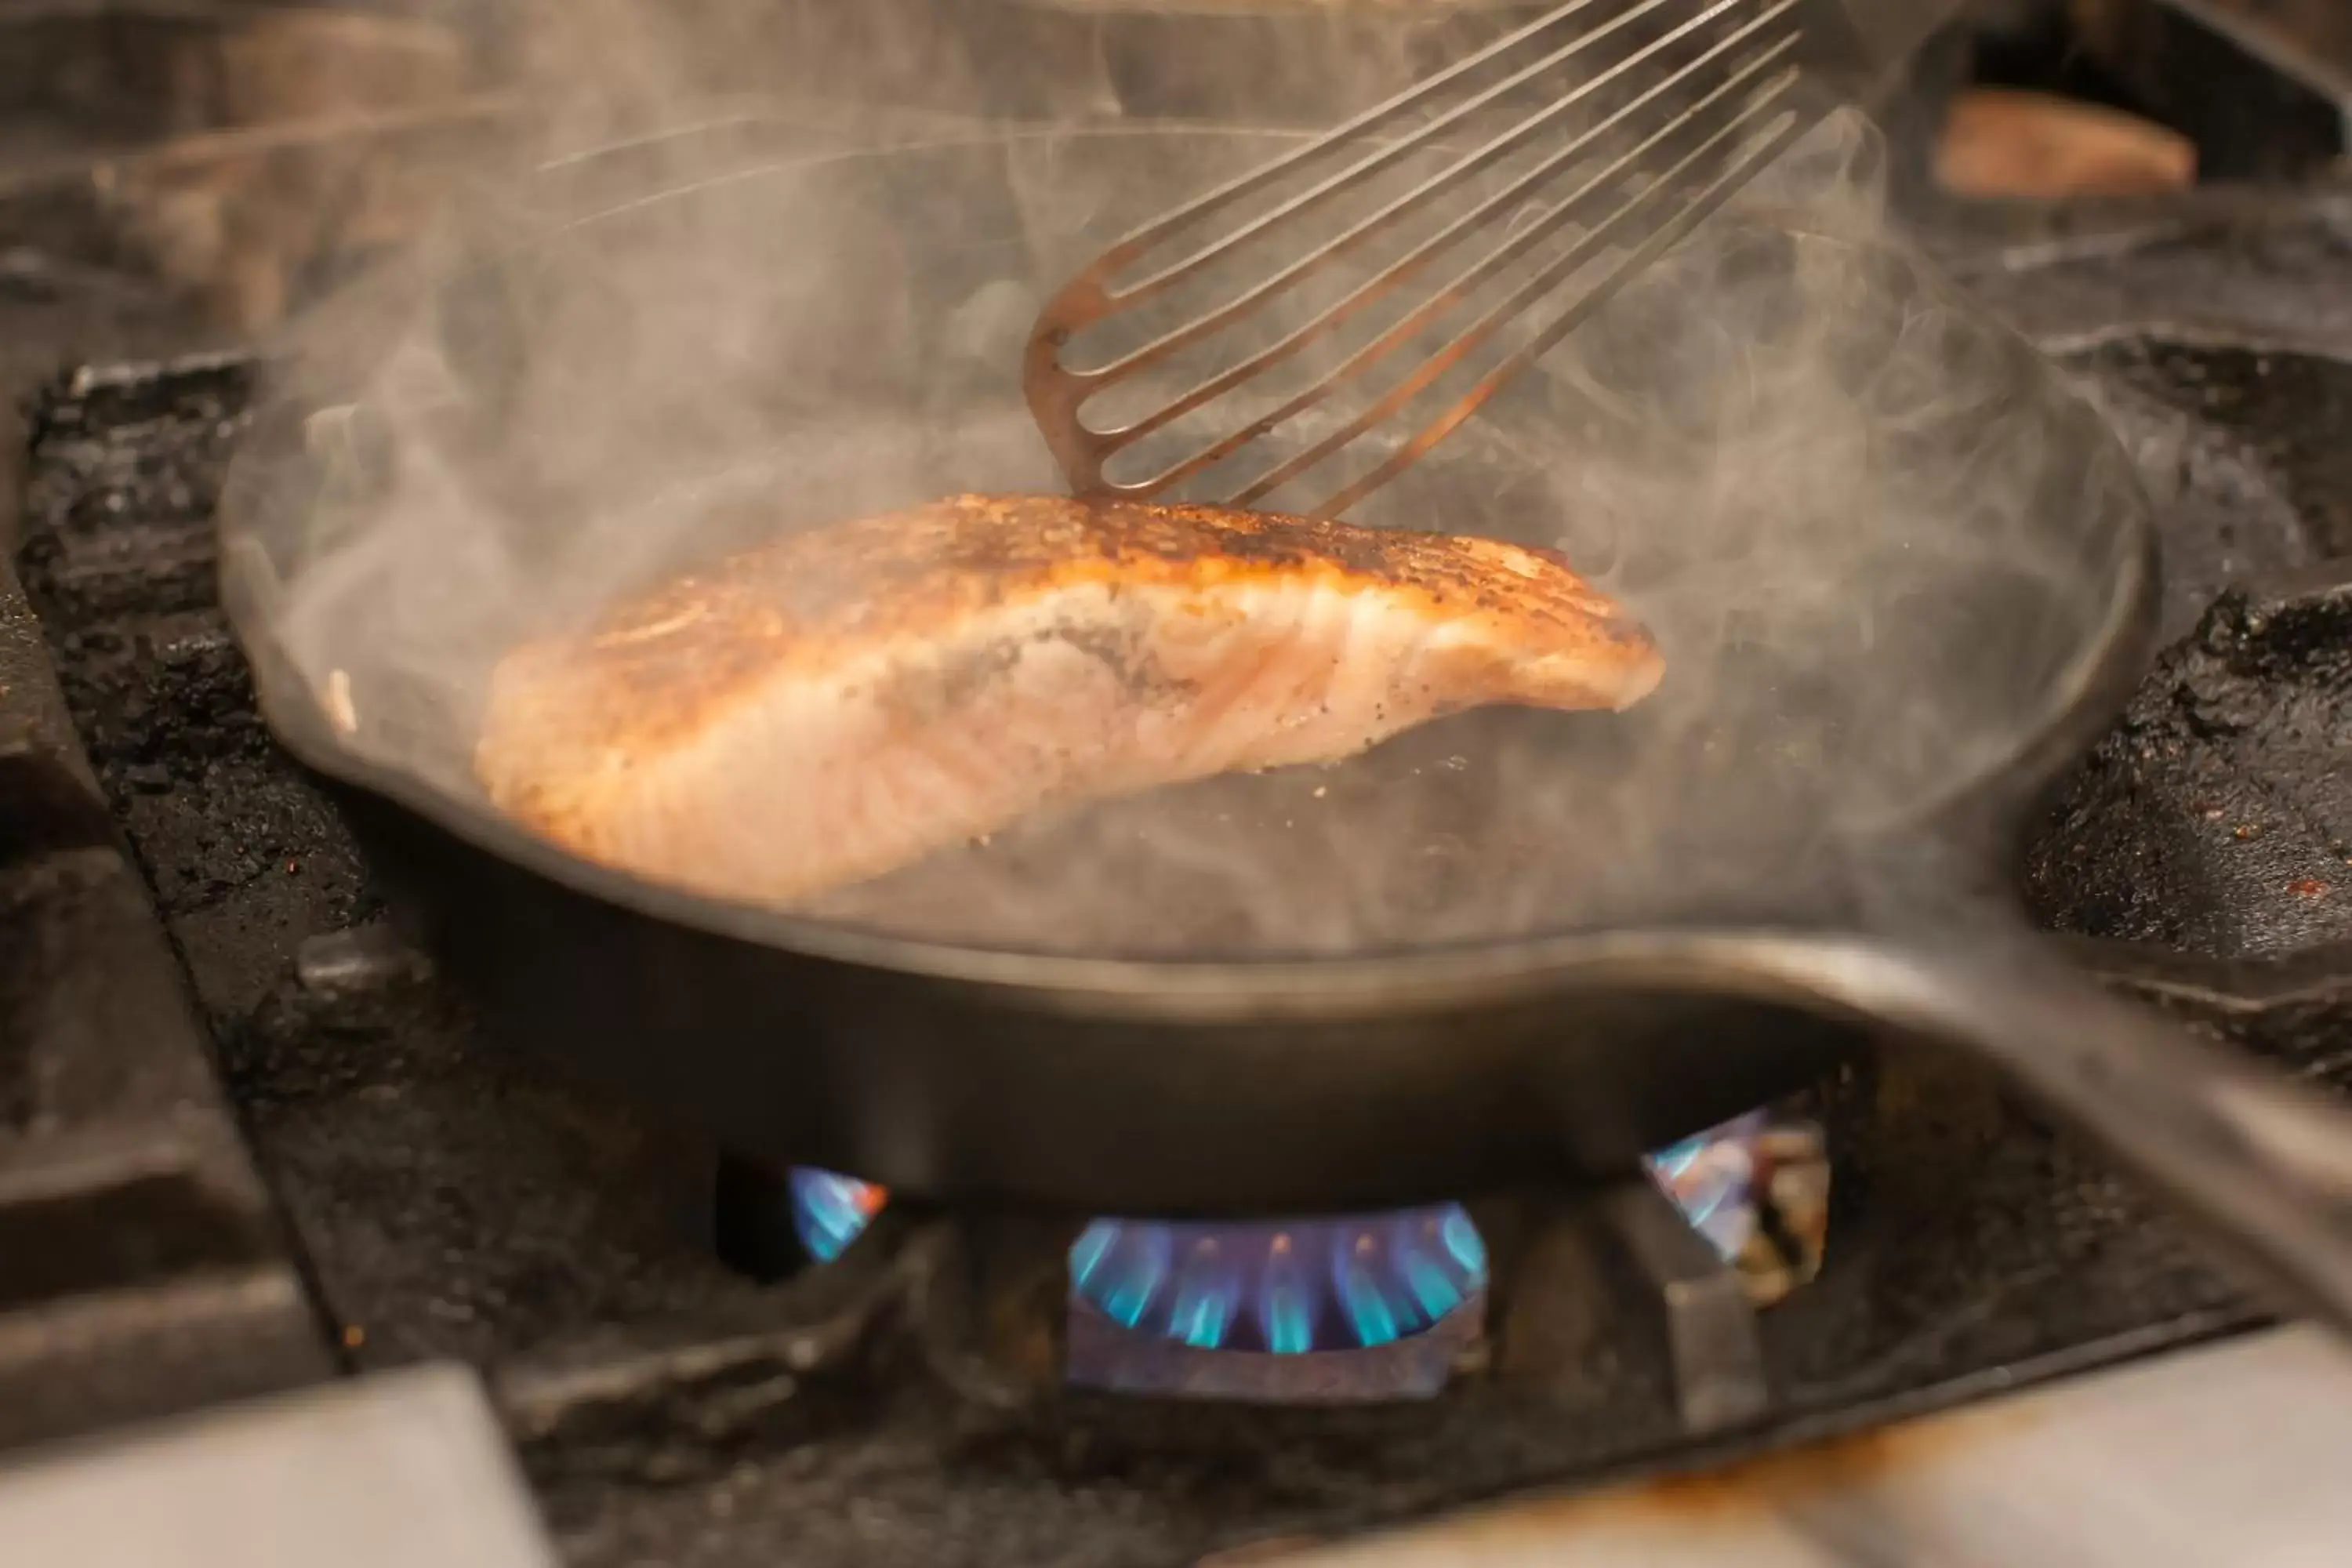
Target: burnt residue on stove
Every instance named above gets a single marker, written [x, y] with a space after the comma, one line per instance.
[117, 557]
[2218, 817]
[142, 1272]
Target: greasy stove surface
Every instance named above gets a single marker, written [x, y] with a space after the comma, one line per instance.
[448, 1201]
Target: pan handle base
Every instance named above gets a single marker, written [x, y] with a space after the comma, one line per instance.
[1712, 1337]
[1574, 1270]
[2260, 1162]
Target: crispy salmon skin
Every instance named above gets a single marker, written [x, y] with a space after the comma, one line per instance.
[844, 701]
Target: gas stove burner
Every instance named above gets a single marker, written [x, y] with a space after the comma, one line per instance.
[1283, 1287]
[1355, 1283]
[829, 1211]
[1707, 1176]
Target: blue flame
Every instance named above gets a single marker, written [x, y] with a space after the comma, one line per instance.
[1302, 1285]
[1087, 1254]
[1285, 1305]
[829, 1211]
[1370, 1312]
[1463, 1242]
[1134, 1272]
[1710, 1178]
[1208, 1294]
[1285, 1287]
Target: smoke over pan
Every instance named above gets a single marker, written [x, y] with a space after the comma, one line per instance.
[1872, 549]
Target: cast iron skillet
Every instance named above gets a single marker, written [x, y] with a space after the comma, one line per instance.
[1166, 1084]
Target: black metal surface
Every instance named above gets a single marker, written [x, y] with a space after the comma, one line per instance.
[2218, 817]
[2260, 86]
[143, 1270]
[454, 1201]
[1712, 1341]
[1115, 1097]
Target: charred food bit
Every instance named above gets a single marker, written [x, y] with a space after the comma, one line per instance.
[843, 701]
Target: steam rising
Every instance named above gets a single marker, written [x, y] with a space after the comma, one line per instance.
[1869, 539]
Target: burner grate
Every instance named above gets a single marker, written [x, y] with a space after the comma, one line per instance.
[1754, 1189]
[141, 1271]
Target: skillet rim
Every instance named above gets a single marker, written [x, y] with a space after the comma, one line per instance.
[1986, 800]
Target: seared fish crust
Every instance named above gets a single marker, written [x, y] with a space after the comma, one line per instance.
[843, 701]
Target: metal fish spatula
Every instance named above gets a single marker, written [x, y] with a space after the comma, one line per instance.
[1385, 280]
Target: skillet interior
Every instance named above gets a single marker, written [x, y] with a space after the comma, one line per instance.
[1859, 632]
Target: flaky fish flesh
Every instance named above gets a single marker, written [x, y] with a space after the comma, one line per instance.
[843, 701]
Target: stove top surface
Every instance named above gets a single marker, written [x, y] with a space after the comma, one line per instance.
[429, 1197]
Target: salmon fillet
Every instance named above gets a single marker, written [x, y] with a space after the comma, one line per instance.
[839, 703]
